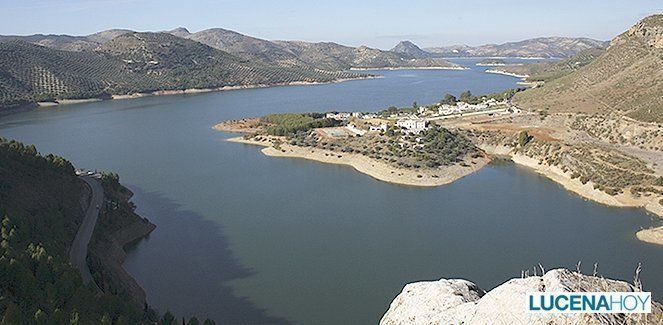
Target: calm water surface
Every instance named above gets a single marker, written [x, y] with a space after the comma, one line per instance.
[243, 237]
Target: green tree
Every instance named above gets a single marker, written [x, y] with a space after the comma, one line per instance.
[40, 317]
[13, 315]
[449, 99]
[467, 97]
[523, 138]
[193, 321]
[105, 319]
[168, 319]
[75, 318]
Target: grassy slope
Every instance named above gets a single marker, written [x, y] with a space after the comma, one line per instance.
[627, 78]
[549, 70]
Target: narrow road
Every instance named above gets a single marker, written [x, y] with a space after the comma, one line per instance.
[78, 252]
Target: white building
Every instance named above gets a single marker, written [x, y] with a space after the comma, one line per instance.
[412, 125]
[448, 109]
[352, 128]
[382, 127]
[342, 116]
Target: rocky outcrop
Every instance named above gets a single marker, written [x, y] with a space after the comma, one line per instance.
[463, 302]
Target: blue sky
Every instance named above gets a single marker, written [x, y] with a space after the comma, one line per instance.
[375, 23]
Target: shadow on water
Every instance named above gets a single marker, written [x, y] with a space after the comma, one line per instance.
[178, 270]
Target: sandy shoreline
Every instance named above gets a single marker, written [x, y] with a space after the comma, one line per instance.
[391, 174]
[587, 191]
[228, 88]
[430, 178]
[376, 169]
[193, 91]
[505, 73]
[59, 102]
[651, 235]
[411, 68]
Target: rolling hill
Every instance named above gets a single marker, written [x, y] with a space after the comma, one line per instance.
[410, 49]
[247, 47]
[288, 54]
[133, 63]
[626, 79]
[323, 55]
[332, 56]
[544, 47]
[548, 70]
[30, 72]
[178, 63]
[67, 42]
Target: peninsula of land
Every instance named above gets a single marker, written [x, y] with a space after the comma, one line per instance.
[437, 144]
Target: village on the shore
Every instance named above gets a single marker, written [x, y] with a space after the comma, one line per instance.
[414, 121]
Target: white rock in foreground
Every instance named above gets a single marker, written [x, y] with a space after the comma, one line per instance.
[463, 302]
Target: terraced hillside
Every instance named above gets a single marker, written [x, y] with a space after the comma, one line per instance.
[179, 63]
[627, 79]
[247, 47]
[30, 72]
[133, 63]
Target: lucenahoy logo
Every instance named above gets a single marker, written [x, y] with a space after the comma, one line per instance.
[589, 302]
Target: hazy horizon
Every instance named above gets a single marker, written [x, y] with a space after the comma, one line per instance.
[427, 23]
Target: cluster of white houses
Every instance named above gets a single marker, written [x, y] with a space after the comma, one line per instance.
[409, 124]
[416, 123]
[462, 107]
[412, 124]
[344, 116]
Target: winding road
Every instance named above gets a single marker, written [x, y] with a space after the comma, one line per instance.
[78, 252]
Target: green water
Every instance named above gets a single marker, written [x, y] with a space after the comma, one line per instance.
[245, 238]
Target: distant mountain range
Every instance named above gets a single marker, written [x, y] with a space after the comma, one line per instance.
[120, 62]
[133, 63]
[69, 43]
[323, 55]
[542, 47]
[626, 79]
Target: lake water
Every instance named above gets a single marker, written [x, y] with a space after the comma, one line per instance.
[243, 237]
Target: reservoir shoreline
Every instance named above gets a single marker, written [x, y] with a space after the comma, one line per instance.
[369, 166]
[450, 174]
[382, 171]
[58, 102]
